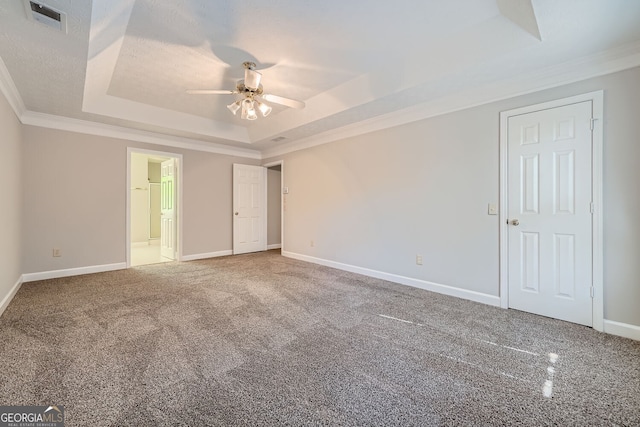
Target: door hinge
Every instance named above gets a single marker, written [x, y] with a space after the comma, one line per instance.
[592, 122]
[592, 207]
[592, 292]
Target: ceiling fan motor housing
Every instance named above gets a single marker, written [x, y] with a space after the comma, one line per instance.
[241, 88]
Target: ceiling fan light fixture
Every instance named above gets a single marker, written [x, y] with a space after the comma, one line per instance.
[251, 95]
[234, 107]
[248, 110]
[251, 113]
[264, 109]
[243, 116]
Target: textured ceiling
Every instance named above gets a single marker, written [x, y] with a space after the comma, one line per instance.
[129, 62]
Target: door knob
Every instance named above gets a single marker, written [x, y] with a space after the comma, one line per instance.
[515, 222]
[236, 213]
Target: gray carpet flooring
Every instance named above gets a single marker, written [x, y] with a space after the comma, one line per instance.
[260, 339]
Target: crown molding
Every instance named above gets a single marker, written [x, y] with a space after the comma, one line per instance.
[10, 91]
[607, 62]
[92, 128]
[602, 63]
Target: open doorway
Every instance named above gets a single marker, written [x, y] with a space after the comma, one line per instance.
[152, 213]
[274, 205]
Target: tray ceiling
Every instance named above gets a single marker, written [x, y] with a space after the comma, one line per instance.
[129, 63]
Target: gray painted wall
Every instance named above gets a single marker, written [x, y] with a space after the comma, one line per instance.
[11, 205]
[377, 200]
[373, 201]
[75, 195]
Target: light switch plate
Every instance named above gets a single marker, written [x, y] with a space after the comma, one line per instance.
[493, 209]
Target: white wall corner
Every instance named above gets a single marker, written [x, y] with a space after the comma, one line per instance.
[55, 274]
[9, 297]
[622, 329]
[10, 91]
[403, 280]
[206, 255]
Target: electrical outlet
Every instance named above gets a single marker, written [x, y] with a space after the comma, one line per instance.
[419, 259]
[57, 252]
[312, 243]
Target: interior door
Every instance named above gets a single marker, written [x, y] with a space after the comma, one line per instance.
[249, 209]
[550, 212]
[168, 217]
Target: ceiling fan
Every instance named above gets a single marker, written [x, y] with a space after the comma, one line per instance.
[252, 95]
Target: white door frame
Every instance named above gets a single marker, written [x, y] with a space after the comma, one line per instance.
[596, 185]
[178, 157]
[268, 165]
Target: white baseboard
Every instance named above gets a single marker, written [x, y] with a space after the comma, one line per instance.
[275, 246]
[622, 329]
[207, 255]
[44, 275]
[7, 299]
[403, 280]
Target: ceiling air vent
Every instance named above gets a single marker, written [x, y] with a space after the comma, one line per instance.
[45, 15]
[278, 139]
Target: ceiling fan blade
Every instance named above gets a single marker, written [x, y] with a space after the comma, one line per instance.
[211, 92]
[252, 79]
[283, 101]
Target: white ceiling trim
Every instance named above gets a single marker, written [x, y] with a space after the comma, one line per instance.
[10, 91]
[109, 21]
[92, 128]
[607, 62]
[611, 61]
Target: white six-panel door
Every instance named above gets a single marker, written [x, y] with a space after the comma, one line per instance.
[550, 212]
[249, 209]
[168, 223]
